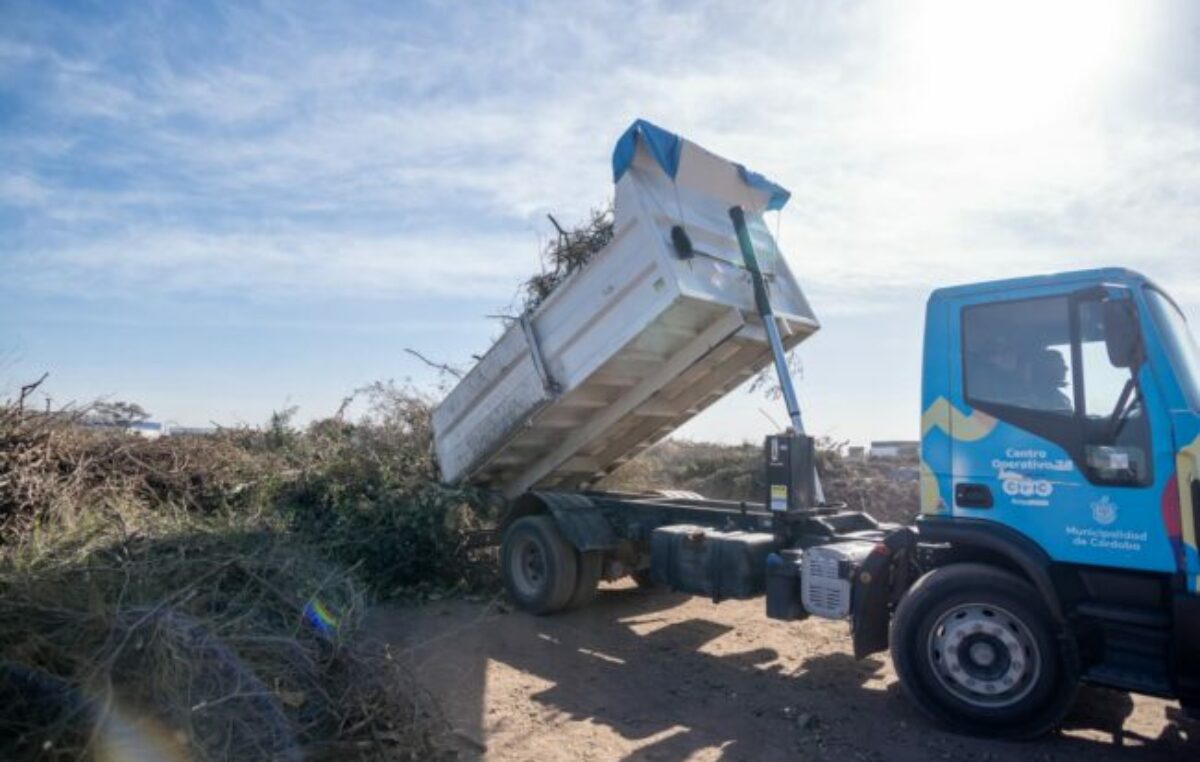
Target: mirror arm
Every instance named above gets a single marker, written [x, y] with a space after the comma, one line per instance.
[1117, 419]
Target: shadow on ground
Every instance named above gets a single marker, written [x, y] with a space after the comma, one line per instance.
[663, 676]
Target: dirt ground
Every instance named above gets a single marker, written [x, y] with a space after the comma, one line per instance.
[662, 676]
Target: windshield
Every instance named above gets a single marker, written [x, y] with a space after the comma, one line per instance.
[1181, 346]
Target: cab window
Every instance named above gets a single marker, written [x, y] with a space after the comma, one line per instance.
[1116, 435]
[1180, 344]
[1043, 365]
[1018, 354]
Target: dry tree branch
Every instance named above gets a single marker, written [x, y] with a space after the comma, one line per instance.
[443, 367]
[28, 389]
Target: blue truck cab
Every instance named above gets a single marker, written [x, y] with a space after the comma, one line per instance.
[1060, 458]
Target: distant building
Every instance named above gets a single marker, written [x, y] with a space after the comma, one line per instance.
[894, 449]
[147, 429]
[856, 453]
[150, 429]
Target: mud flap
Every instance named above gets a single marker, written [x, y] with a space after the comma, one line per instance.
[585, 528]
[882, 578]
[581, 522]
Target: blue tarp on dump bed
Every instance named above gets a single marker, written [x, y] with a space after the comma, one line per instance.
[666, 147]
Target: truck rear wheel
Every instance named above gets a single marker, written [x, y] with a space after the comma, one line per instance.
[587, 581]
[976, 650]
[539, 567]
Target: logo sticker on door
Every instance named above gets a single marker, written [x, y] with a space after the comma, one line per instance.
[1104, 511]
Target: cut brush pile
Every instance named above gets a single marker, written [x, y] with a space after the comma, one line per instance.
[569, 251]
[52, 470]
[886, 489]
[209, 644]
[200, 598]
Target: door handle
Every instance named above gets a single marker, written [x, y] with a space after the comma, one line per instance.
[968, 495]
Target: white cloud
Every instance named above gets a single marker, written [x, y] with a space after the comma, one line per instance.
[299, 265]
[22, 190]
[308, 154]
[409, 151]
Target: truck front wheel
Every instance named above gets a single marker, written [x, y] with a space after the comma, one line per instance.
[976, 650]
[539, 567]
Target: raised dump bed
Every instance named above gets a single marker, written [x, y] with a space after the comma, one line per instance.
[636, 342]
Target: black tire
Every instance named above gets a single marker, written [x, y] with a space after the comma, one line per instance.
[538, 566]
[977, 651]
[587, 581]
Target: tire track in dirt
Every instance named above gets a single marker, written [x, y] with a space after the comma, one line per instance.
[662, 676]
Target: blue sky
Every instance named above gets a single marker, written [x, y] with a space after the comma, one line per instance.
[218, 210]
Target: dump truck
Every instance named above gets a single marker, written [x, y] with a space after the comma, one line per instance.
[1059, 461]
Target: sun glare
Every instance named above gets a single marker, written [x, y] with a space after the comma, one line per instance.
[994, 68]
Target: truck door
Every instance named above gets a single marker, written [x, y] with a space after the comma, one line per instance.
[1061, 443]
[1175, 356]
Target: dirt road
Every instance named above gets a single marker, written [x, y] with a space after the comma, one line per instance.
[661, 676]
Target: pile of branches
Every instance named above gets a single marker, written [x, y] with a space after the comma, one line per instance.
[201, 597]
[888, 490]
[369, 491]
[568, 252]
[52, 467]
[216, 643]
[366, 490]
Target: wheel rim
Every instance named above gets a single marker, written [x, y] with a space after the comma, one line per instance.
[984, 655]
[528, 565]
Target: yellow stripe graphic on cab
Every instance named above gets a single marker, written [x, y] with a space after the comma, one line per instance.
[931, 496]
[954, 424]
[1187, 468]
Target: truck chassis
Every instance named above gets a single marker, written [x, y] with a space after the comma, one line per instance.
[987, 636]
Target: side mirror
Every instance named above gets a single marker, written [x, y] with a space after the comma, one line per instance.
[1122, 338]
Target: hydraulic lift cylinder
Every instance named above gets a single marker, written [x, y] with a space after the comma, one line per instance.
[796, 496]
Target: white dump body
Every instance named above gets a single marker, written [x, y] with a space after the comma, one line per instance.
[629, 347]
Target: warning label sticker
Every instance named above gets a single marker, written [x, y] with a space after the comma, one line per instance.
[779, 497]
